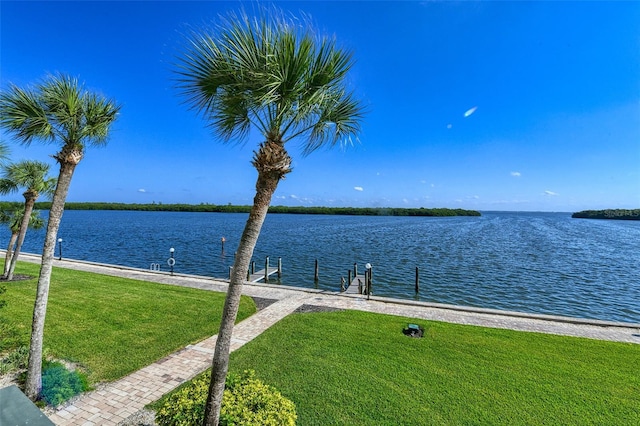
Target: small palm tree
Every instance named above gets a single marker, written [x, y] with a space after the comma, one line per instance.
[57, 110]
[31, 175]
[277, 77]
[13, 220]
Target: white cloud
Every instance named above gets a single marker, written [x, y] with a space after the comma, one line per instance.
[423, 182]
[295, 197]
[142, 190]
[550, 193]
[516, 174]
[358, 188]
[470, 111]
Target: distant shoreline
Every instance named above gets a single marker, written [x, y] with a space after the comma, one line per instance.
[213, 208]
[615, 214]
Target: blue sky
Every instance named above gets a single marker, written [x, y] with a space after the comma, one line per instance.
[556, 87]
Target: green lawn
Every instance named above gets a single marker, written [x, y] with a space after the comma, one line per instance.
[111, 325]
[356, 368]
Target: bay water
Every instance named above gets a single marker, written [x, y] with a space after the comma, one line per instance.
[543, 263]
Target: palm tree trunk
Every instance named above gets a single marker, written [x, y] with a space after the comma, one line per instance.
[265, 187]
[28, 209]
[33, 384]
[9, 253]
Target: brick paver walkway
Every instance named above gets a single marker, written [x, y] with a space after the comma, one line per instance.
[118, 400]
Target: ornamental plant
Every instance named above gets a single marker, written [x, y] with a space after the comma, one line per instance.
[246, 401]
[60, 384]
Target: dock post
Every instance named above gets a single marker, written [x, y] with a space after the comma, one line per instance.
[342, 288]
[417, 280]
[253, 267]
[279, 267]
[266, 270]
[369, 284]
[348, 278]
[316, 275]
[355, 270]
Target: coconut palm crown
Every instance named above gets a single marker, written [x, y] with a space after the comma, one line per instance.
[273, 75]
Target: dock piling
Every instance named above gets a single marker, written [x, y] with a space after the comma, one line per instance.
[279, 267]
[316, 275]
[417, 280]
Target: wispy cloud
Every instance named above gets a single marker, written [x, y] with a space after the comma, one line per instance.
[293, 196]
[358, 188]
[470, 111]
[551, 193]
[516, 174]
[142, 190]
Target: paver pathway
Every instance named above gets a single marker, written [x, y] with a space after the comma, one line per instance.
[118, 400]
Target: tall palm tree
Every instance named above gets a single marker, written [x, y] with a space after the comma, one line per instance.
[31, 175]
[13, 220]
[57, 110]
[277, 77]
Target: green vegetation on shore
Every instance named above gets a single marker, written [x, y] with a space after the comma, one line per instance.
[213, 208]
[619, 214]
[112, 326]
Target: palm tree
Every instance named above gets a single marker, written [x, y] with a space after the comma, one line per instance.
[31, 175]
[277, 77]
[14, 219]
[57, 110]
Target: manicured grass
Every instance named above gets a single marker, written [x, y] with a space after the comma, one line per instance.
[356, 368]
[111, 325]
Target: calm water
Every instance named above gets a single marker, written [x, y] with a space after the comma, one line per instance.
[531, 262]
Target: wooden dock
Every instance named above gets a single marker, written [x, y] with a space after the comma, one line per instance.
[261, 275]
[254, 276]
[357, 285]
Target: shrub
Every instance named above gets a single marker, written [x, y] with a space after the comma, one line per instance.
[246, 401]
[60, 384]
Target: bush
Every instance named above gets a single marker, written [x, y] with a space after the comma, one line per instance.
[246, 401]
[60, 384]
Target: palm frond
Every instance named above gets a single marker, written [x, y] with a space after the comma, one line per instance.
[30, 175]
[22, 114]
[59, 108]
[270, 73]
